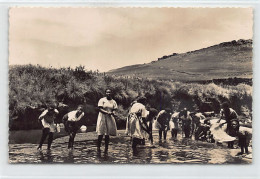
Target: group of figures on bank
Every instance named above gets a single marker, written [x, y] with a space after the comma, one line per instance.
[140, 124]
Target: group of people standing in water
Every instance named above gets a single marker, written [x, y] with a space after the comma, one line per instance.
[139, 124]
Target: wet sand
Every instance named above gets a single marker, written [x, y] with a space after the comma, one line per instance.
[120, 152]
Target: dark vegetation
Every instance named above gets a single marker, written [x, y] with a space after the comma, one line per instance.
[32, 88]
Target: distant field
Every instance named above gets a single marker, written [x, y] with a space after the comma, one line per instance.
[226, 60]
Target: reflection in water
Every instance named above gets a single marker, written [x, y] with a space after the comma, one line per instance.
[47, 157]
[120, 151]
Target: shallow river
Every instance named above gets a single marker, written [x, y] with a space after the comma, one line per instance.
[169, 151]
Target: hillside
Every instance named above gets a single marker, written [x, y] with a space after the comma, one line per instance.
[225, 60]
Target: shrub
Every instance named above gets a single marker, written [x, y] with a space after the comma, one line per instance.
[31, 88]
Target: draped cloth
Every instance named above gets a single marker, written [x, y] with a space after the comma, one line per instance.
[218, 130]
[135, 125]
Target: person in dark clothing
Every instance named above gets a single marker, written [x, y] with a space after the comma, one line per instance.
[163, 119]
[150, 118]
[228, 114]
[243, 136]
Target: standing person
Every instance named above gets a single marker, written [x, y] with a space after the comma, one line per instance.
[228, 114]
[136, 125]
[163, 119]
[47, 119]
[106, 124]
[71, 123]
[150, 119]
[186, 122]
[174, 125]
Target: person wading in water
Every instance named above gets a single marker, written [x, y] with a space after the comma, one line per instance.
[47, 119]
[106, 124]
[71, 123]
[228, 114]
[136, 125]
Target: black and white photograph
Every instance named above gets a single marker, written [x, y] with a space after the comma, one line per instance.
[130, 85]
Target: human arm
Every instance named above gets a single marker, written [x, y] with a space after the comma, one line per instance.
[221, 115]
[102, 110]
[42, 115]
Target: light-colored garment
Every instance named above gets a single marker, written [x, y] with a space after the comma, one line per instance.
[48, 120]
[134, 124]
[198, 118]
[106, 124]
[174, 122]
[218, 131]
[72, 116]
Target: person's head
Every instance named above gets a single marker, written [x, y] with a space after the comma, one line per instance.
[168, 110]
[108, 93]
[192, 114]
[142, 100]
[51, 107]
[225, 106]
[184, 112]
[79, 110]
[235, 125]
[152, 112]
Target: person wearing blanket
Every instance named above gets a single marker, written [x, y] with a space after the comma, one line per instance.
[228, 114]
[136, 125]
[71, 123]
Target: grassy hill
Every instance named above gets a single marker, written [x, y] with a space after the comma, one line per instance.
[225, 60]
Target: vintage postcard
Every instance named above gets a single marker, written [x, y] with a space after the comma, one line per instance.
[130, 85]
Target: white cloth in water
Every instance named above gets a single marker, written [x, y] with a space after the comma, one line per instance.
[106, 124]
[219, 133]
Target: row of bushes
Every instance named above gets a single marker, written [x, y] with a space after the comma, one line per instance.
[31, 88]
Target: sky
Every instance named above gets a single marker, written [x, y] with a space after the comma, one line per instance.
[108, 38]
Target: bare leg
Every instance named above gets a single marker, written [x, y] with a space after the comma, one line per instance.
[50, 139]
[100, 137]
[45, 133]
[106, 143]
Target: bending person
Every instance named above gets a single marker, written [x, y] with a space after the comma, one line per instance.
[47, 119]
[136, 125]
[228, 114]
[163, 118]
[149, 120]
[71, 123]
